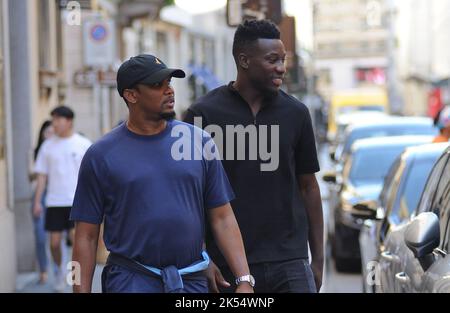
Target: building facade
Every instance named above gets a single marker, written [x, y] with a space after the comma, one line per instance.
[199, 44]
[423, 29]
[350, 44]
[7, 228]
[31, 64]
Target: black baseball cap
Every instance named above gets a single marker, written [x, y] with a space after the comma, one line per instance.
[144, 69]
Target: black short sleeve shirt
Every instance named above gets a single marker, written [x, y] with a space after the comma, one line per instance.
[268, 206]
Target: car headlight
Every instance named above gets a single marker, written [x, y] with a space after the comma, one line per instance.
[347, 206]
[346, 216]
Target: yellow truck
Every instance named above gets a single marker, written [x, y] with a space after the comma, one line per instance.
[357, 100]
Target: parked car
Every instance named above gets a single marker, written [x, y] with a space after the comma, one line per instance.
[359, 99]
[388, 126]
[398, 200]
[416, 254]
[361, 179]
[377, 126]
[348, 119]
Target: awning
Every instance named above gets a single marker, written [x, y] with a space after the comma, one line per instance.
[206, 76]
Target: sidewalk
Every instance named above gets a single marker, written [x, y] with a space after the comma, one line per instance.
[28, 283]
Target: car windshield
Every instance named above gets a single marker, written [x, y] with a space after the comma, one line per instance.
[371, 166]
[340, 134]
[398, 130]
[413, 187]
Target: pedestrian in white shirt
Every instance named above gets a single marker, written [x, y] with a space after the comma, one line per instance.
[57, 165]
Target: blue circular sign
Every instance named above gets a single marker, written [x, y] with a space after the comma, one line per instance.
[99, 32]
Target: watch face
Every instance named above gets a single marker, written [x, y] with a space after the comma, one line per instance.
[252, 281]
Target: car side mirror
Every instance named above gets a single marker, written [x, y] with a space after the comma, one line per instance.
[422, 236]
[333, 154]
[329, 177]
[366, 210]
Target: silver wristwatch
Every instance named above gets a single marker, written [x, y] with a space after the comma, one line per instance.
[246, 278]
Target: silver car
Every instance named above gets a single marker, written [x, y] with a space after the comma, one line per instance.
[370, 126]
[362, 179]
[398, 200]
[389, 126]
[416, 255]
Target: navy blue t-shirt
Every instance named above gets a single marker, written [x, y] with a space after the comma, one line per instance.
[152, 192]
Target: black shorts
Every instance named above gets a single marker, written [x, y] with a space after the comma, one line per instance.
[58, 219]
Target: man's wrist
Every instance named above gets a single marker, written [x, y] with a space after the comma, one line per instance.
[244, 283]
[244, 288]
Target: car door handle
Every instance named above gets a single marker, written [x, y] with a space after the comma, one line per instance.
[402, 278]
[389, 257]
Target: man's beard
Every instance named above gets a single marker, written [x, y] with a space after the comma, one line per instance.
[270, 93]
[267, 93]
[167, 115]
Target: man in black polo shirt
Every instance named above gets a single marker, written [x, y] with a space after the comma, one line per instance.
[278, 204]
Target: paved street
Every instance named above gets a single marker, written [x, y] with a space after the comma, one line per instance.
[28, 282]
[340, 282]
[334, 281]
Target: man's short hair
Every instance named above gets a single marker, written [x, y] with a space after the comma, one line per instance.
[250, 31]
[63, 111]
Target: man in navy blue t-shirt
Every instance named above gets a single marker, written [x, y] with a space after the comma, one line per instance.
[153, 181]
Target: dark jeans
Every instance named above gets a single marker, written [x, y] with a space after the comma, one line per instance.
[40, 236]
[293, 276]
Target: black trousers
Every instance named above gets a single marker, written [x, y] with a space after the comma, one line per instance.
[292, 276]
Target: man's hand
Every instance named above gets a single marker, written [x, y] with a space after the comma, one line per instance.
[37, 209]
[317, 269]
[40, 187]
[215, 278]
[244, 287]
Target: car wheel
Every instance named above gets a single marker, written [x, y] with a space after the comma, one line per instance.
[341, 264]
[347, 265]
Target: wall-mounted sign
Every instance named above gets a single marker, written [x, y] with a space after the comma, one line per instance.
[85, 78]
[99, 38]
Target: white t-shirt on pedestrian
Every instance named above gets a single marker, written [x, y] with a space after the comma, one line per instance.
[60, 159]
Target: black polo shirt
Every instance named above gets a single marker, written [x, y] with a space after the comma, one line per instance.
[268, 206]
